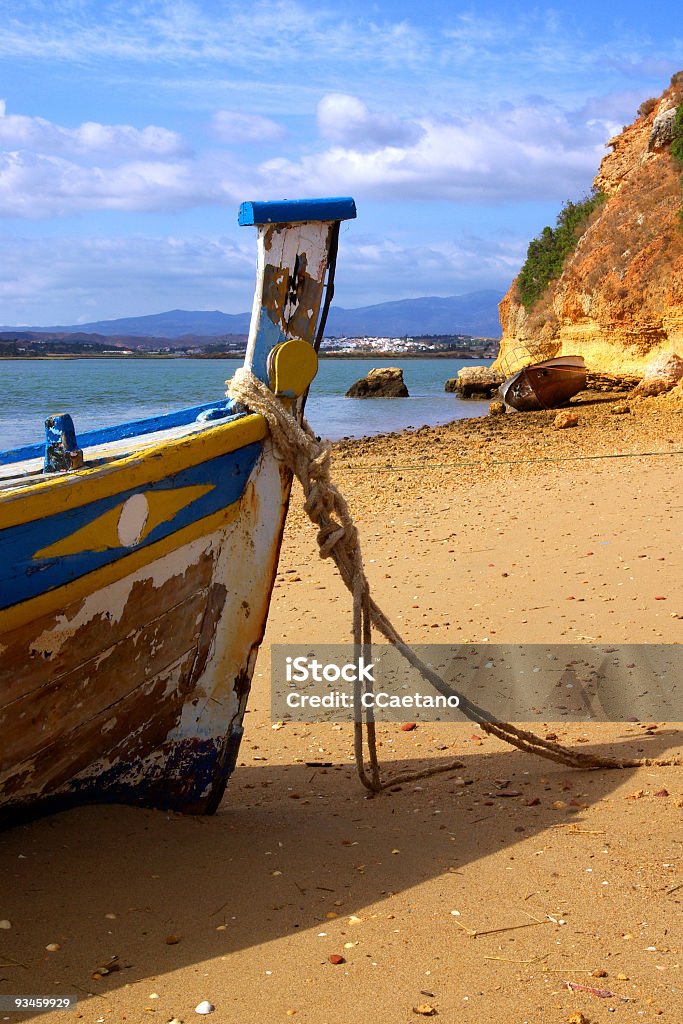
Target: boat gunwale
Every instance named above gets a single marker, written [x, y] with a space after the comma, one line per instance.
[146, 465]
[121, 431]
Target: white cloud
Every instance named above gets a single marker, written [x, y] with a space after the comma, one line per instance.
[267, 33]
[231, 127]
[118, 140]
[98, 278]
[347, 120]
[35, 185]
[108, 278]
[464, 263]
[511, 153]
[483, 156]
[49, 170]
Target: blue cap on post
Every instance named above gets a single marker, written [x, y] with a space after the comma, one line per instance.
[291, 211]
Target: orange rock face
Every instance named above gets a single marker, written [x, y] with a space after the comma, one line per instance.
[619, 300]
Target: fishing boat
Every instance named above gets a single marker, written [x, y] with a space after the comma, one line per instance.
[545, 385]
[137, 564]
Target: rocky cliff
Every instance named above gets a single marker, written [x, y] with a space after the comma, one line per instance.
[619, 298]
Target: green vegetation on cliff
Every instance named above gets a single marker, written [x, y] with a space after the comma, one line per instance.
[677, 136]
[677, 148]
[546, 253]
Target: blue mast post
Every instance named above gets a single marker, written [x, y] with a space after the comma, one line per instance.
[294, 285]
[293, 211]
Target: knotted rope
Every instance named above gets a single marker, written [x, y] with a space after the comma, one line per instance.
[309, 461]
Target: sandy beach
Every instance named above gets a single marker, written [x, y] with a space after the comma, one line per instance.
[440, 898]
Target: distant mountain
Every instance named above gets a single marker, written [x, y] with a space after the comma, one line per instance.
[475, 313]
[176, 323]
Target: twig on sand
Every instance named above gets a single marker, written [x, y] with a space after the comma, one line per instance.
[601, 993]
[563, 970]
[13, 962]
[508, 960]
[474, 933]
[578, 831]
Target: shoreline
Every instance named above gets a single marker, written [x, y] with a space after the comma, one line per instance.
[360, 354]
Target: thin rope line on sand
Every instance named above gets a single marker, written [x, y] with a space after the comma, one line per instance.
[309, 460]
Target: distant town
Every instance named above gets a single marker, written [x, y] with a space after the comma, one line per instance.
[31, 345]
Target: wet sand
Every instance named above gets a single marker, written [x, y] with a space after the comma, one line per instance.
[440, 895]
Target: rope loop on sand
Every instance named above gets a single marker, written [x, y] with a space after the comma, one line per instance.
[309, 460]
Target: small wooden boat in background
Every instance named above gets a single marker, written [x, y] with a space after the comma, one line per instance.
[137, 564]
[545, 385]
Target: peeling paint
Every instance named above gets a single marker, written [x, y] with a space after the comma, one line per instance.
[136, 692]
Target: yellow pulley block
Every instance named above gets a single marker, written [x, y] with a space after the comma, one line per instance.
[292, 365]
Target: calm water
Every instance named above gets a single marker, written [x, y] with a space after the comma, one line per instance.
[102, 392]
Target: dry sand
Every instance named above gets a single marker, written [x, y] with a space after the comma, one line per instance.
[440, 895]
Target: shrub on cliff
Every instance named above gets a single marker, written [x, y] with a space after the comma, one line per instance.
[677, 136]
[647, 106]
[677, 146]
[546, 253]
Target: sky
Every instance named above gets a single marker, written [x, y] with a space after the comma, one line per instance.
[131, 130]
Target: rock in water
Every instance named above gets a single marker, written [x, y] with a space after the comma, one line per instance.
[475, 382]
[382, 382]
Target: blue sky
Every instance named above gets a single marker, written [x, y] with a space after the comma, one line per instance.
[131, 131]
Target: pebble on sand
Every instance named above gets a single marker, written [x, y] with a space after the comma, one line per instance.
[204, 1007]
[5, 925]
[565, 419]
[336, 958]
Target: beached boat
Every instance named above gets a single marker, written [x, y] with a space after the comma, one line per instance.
[137, 564]
[545, 385]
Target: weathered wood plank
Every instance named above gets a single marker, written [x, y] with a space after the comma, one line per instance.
[42, 717]
[134, 727]
[41, 652]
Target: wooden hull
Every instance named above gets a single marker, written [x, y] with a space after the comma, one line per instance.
[134, 591]
[136, 691]
[545, 385]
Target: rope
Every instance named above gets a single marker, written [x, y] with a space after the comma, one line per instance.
[309, 460]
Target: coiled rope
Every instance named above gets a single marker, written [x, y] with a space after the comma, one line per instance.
[326, 507]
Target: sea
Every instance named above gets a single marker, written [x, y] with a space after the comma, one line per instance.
[103, 392]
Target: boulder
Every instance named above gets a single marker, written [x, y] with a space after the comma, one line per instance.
[662, 131]
[661, 375]
[475, 382]
[652, 388]
[382, 382]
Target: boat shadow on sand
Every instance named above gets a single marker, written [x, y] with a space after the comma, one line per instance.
[290, 845]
